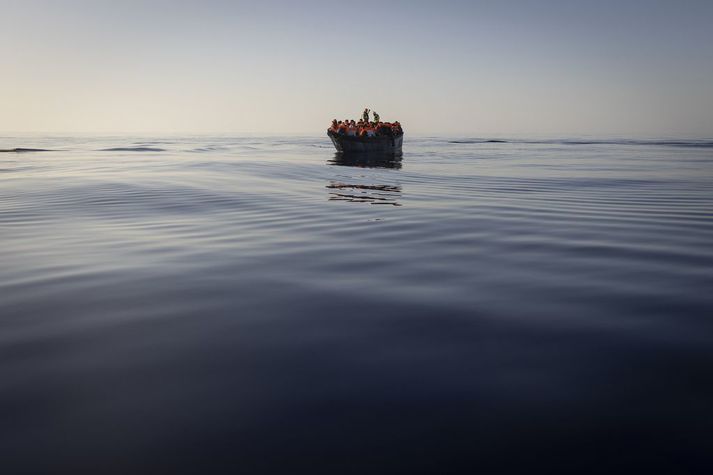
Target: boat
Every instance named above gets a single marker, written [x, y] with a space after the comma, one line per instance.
[366, 136]
[378, 144]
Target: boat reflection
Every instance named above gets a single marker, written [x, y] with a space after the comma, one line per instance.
[355, 190]
[373, 194]
[367, 160]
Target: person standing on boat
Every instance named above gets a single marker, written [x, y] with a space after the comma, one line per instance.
[365, 115]
[376, 117]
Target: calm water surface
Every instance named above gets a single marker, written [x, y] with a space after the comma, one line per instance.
[260, 305]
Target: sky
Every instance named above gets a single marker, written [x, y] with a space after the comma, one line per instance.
[559, 67]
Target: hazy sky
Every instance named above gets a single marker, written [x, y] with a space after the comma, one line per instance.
[463, 67]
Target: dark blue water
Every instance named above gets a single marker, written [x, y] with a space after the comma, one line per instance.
[260, 305]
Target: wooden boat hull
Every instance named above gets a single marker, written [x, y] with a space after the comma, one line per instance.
[367, 145]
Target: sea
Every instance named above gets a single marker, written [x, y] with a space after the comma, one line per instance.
[262, 305]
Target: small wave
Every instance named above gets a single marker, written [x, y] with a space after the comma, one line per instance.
[210, 148]
[697, 143]
[478, 141]
[133, 149]
[24, 150]
[650, 143]
[152, 142]
[654, 143]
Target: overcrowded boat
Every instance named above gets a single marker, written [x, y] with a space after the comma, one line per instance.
[366, 135]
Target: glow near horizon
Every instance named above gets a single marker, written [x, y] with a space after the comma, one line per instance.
[476, 68]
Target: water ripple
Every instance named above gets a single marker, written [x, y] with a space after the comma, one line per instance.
[248, 301]
[132, 149]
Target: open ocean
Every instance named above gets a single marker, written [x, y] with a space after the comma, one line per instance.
[261, 305]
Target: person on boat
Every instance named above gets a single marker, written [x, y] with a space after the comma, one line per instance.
[376, 117]
[383, 129]
[370, 130]
[365, 115]
[363, 128]
[335, 126]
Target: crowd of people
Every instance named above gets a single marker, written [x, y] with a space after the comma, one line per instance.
[365, 127]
